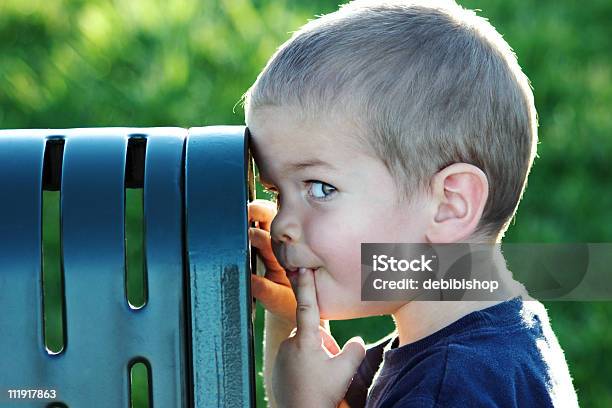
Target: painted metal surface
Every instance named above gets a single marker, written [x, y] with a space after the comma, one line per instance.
[217, 246]
[196, 259]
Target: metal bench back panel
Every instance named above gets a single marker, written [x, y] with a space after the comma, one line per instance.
[217, 247]
[163, 208]
[103, 333]
[92, 223]
[20, 252]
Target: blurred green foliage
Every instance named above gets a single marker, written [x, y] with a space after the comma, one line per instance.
[82, 63]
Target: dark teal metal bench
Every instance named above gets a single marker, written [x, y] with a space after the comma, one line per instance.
[194, 333]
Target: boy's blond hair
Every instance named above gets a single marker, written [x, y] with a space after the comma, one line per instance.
[428, 83]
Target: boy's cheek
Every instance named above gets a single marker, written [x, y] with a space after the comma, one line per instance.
[340, 254]
[338, 292]
[342, 266]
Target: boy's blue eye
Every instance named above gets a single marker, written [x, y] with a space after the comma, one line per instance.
[320, 190]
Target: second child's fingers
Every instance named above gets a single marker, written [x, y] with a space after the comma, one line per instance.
[307, 312]
[260, 239]
[276, 298]
[263, 212]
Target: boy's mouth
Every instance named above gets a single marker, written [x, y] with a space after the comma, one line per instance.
[292, 273]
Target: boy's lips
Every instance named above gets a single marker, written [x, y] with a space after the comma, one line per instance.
[293, 272]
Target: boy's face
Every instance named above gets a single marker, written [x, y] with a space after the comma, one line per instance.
[333, 195]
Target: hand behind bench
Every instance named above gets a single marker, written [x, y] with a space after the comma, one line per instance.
[273, 289]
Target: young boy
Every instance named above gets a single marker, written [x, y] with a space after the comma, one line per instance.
[394, 122]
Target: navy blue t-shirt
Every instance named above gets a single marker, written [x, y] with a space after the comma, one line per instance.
[503, 356]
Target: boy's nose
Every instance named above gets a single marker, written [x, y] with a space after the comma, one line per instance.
[285, 228]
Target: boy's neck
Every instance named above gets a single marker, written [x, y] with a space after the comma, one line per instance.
[418, 319]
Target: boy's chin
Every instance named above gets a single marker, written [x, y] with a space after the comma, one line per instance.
[336, 316]
[338, 313]
[366, 309]
[329, 312]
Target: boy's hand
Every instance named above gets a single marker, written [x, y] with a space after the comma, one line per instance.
[311, 370]
[273, 290]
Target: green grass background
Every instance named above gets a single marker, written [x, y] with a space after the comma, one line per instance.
[79, 63]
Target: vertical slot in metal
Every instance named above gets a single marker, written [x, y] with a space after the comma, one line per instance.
[141, 391]
[136, 274]
[54, 314]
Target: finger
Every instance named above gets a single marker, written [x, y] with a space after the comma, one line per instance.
[263, 212]
[276, 298]
[351, 356]
[307, 312]
[260, 239]
[329, 342]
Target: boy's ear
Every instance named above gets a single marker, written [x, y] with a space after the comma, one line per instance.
[460, 193]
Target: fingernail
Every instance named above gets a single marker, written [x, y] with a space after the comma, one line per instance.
[302, 271]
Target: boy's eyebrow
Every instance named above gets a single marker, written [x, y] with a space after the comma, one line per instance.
[308, 163]
[295, 167]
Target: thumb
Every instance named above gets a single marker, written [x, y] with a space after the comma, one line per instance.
[351, 356]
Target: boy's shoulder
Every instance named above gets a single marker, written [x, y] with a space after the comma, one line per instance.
[503, 355]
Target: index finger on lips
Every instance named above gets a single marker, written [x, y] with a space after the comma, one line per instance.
[262, 211]
[307, 312]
